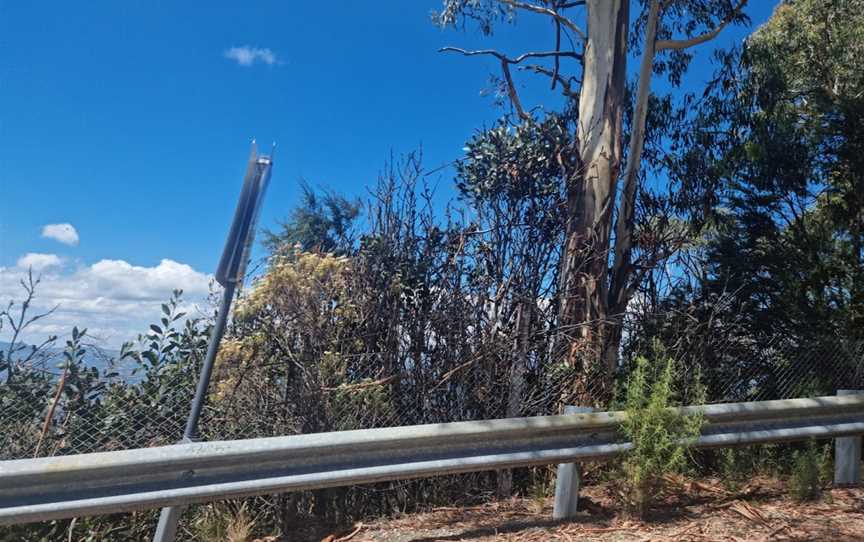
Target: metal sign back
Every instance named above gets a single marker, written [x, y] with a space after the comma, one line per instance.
[235, 256]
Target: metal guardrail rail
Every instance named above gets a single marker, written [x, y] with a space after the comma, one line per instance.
[109, 482]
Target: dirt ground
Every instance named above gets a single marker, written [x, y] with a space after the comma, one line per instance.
[699, 511]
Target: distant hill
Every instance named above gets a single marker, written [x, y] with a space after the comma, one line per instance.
[94, 357]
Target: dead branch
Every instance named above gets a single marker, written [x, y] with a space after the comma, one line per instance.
[504, 58]
[566, 87]
[511, 91]
[50, 414]
[23, 323]
[455, 370]
[505, 68]
[357, 528]
[702, 38]
[557, 48]
[550, 13]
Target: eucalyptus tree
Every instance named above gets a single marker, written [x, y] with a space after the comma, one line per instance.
[607, 248]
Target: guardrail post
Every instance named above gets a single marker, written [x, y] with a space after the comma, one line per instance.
[847, 455]
[568, 480]
[166, 529]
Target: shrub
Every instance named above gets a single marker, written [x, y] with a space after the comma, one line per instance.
[661, 436]
[735, 468]
[809, 472]
[223, 522]
[539, 489]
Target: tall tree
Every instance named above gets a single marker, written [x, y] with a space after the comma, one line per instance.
[781, 137]
[600, 269]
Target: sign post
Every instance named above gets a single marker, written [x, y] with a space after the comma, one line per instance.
[229, 274]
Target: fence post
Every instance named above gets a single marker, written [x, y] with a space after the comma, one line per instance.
[847, 455]
[568, 480]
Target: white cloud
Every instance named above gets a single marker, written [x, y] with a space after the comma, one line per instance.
[37, 261]
[120, 279]
[113, 299]
[64, 233]
[247, 55]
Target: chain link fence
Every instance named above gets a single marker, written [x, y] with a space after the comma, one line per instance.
[50, 409]
[78, 401]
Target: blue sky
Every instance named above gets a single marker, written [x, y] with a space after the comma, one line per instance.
[128, 121]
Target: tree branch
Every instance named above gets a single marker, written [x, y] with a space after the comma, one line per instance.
[505, 68]
[23, 322]
[663, 45]
[504, 58]
[549, 12]
[557, 48]
[50, 414]
[511, 91]
[567, 88]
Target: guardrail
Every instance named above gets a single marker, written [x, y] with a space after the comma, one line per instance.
[108, 482]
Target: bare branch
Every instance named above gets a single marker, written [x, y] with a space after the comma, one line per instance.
[557, 48]
[702, 38]
[361, 385]
[50, 414]
[21, 323]
[35, 349]
[550, 13]
[565, 83]
[505, 68]
[504, 58]
[511, 91]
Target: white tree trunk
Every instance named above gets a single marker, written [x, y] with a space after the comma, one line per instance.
[620, 289]
[591, 192]
[624, 225]
[601, 100]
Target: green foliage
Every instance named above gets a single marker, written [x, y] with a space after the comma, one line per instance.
[810, 469]
[84, 410]
[367, 397]
[540, 489]
[779, 137]
[733, 470]
[517, 162]
[777, 146]
[816, 48]
[323, 222]
[661, 436]
[738, 465]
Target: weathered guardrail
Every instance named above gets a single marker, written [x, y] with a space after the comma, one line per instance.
[108, 482]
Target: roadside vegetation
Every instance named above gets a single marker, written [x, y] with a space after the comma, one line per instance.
[703, 246]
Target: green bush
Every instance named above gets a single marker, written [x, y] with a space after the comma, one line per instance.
[734, 468]
[811, 467]
[661, 436]
[737, 465]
